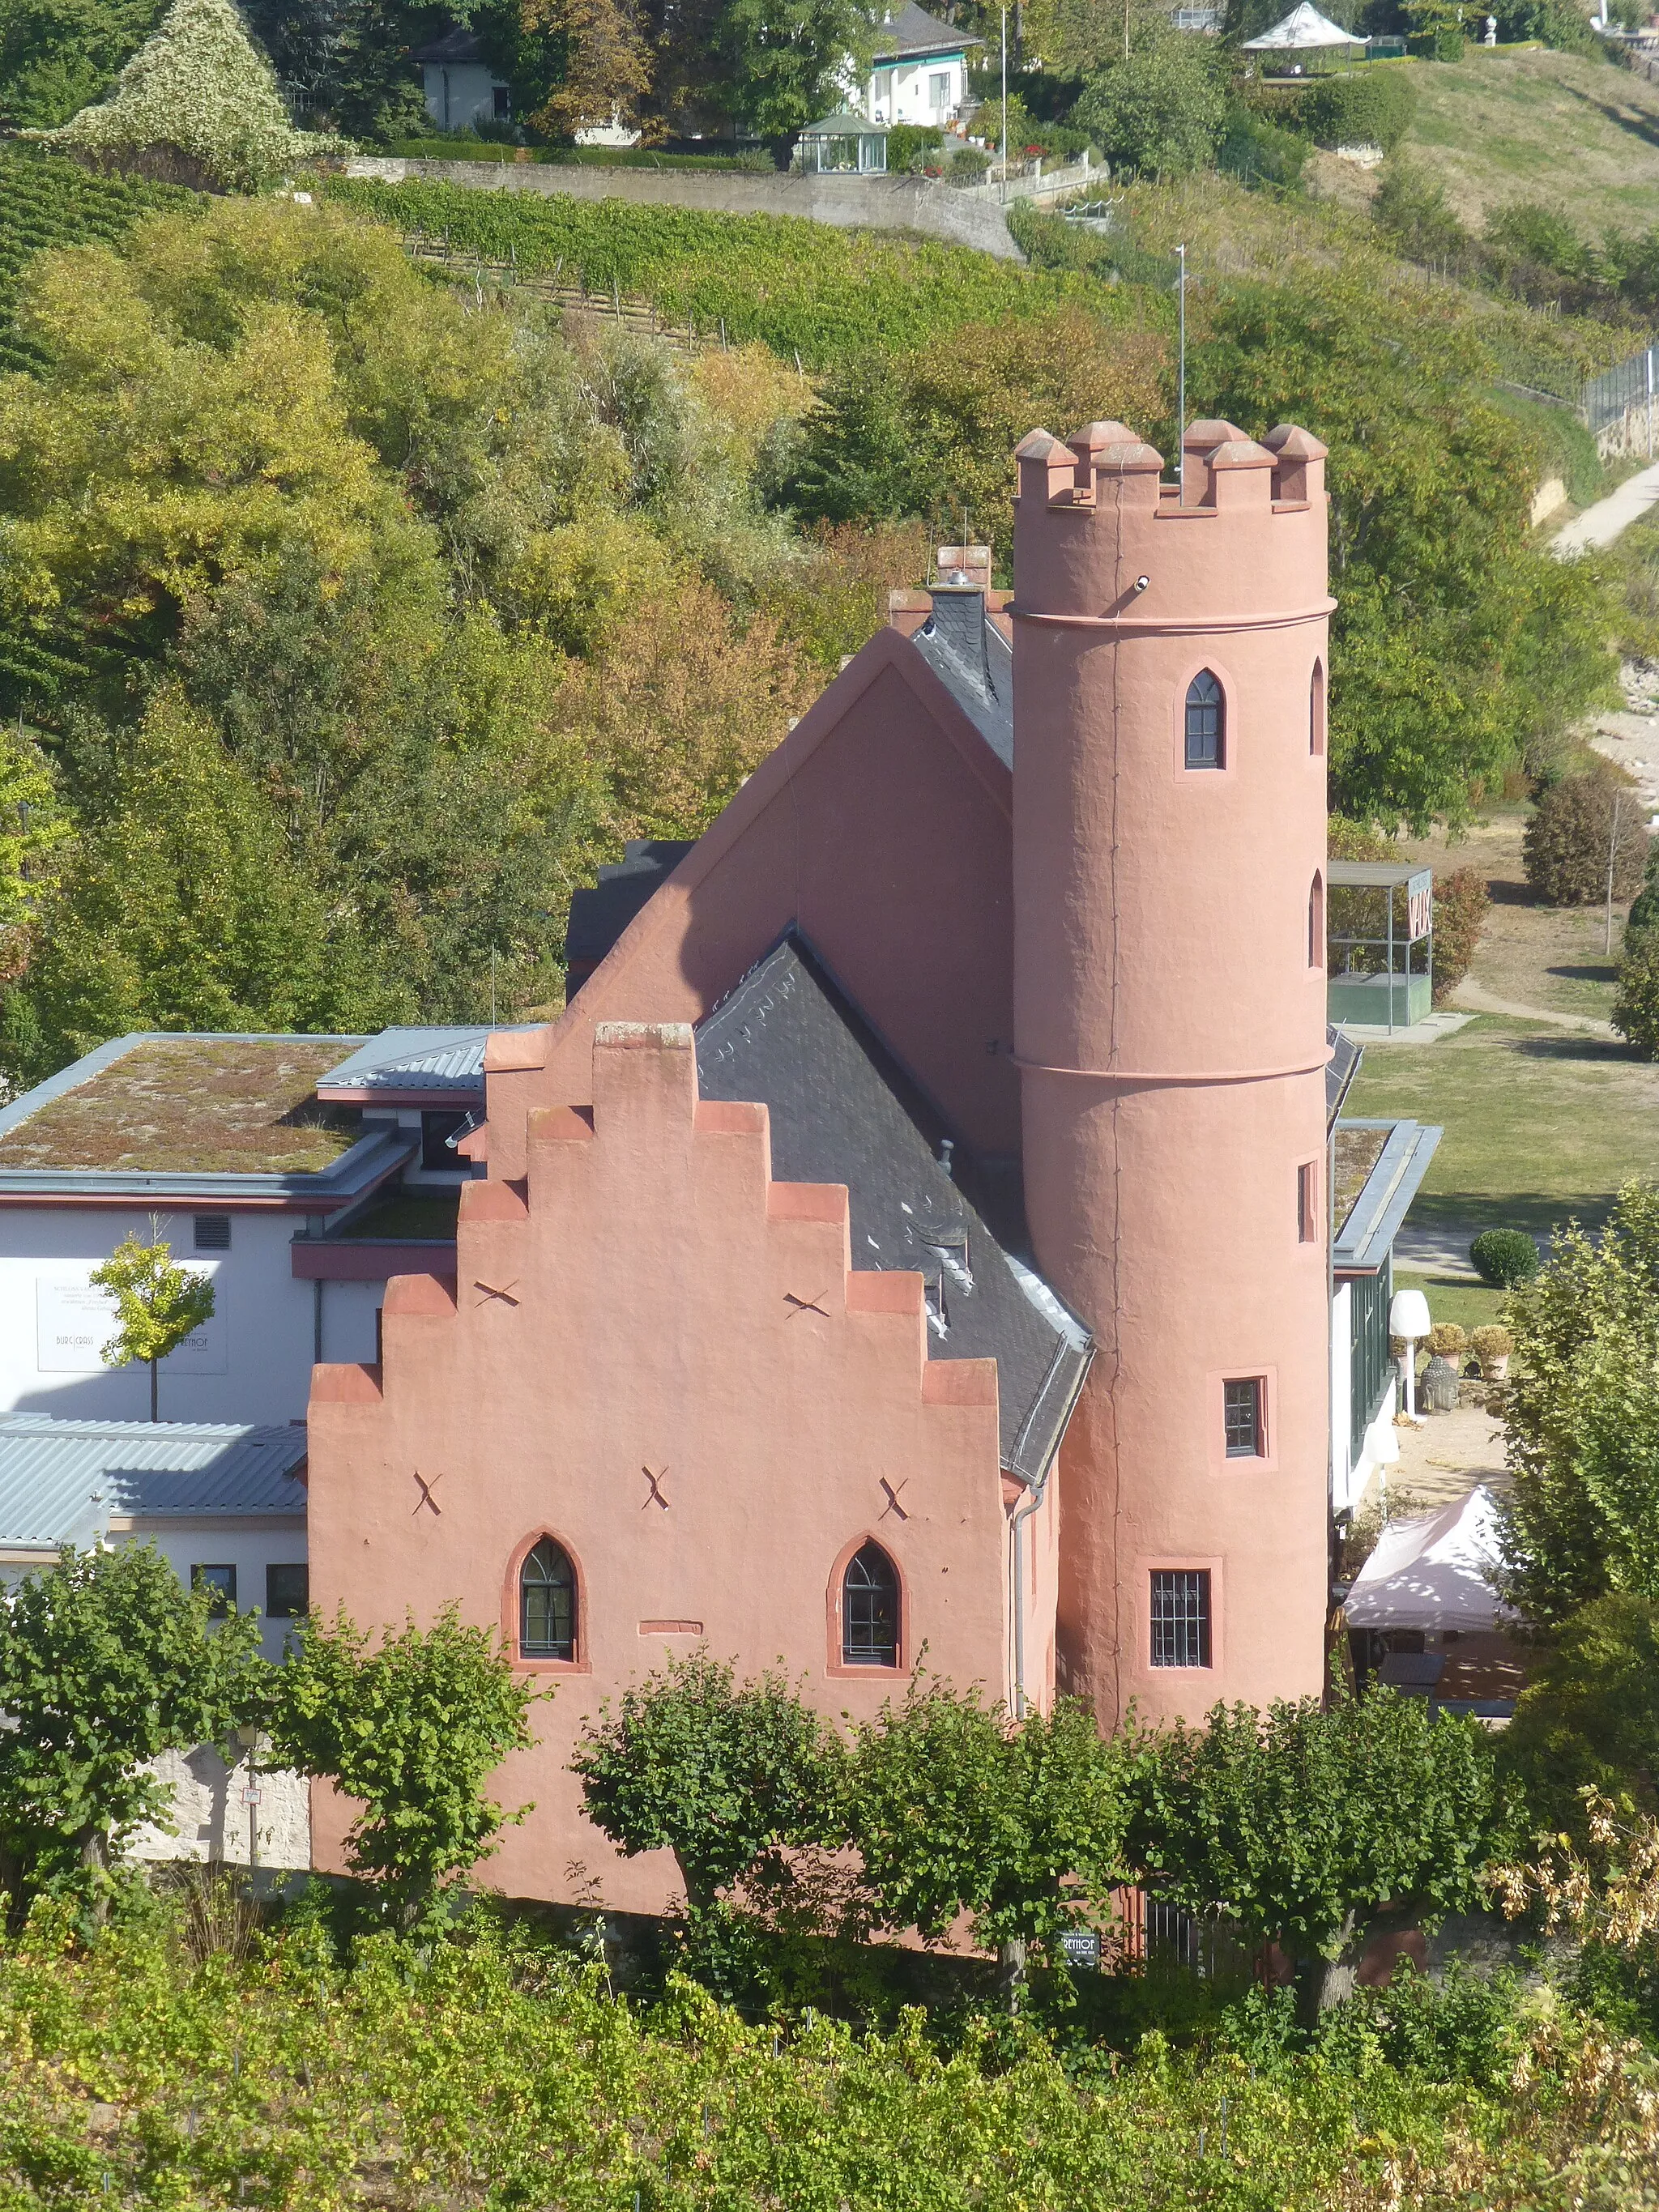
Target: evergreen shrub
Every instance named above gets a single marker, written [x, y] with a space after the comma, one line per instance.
[1460, 904]
[908, 145]
[1504, 1258]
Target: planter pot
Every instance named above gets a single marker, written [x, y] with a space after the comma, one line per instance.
[1440, 1388]
[1496, 1369]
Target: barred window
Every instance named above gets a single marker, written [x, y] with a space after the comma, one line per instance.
[1241, 1415]
[1206, 735]
[1316, 921]
[547, 1603]
[1181, 1617]
[870, 1609]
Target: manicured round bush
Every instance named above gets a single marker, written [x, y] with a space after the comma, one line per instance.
[1505, 1258]
[1375, 109]
[1446, 1340]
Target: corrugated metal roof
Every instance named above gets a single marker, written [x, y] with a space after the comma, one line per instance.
[49, 1469]
[1366, 1238]
[418, 1060]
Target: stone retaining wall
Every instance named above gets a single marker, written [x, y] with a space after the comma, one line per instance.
[844, 203]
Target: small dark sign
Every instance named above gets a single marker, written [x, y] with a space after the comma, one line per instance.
[1082, 1948]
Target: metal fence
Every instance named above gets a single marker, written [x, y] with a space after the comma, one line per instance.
[1150, 1931]
[1620, 391]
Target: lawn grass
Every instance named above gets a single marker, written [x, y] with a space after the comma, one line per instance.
[1540, 1125]
[1569, 129]
[1471, 1305]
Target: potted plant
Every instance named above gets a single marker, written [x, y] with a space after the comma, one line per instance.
[1491, 1346]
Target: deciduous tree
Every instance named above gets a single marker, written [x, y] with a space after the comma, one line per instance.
[158, 1304]
[412, 1726]
[1580, 1518]
[1298, 1821]
[720, 1773]
[106, 1662]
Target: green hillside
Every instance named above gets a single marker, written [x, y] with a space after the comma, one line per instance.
[46, 202]
[1569, 129]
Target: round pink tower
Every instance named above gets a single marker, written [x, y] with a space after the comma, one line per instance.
[1170, 1025]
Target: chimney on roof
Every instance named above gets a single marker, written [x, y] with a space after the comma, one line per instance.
[965, 564]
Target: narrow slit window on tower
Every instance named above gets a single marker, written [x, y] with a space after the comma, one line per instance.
[1206, 732]
[547, 1603]
[1181, 1617]
[1316, 921]
[1242, 1418]
[1307, 1203]
[870, 1609]
[1316, 709]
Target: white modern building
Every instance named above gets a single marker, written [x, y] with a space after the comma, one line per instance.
[918, 70]
[297, 1172]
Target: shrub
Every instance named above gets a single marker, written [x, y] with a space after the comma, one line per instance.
[907, 142]
[1644, 908]
[1504, 1258]
[1447, 1341]
[1375, 109]
[967, 166]
[1636, 1008]
[1577, 826]
[1460, 904]
[1413, 214]
[1260, 152]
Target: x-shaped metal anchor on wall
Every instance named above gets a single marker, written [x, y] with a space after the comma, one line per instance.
[427, 1489]
[803, 1305]
[892, 1505]
[505, 1294]
[654, 1496]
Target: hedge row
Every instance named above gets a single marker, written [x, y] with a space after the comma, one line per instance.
[1373, 107]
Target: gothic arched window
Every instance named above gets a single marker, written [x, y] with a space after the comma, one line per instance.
[1316, 709]
[547, 1603]
[1207, 723]
[870, 1609]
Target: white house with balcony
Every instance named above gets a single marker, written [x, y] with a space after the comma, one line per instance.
[918, 70]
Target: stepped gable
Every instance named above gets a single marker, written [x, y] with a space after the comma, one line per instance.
[842, 1111]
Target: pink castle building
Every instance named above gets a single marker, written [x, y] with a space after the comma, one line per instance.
[912, 1242]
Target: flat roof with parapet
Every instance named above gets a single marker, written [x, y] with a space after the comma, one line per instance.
[225, 1117]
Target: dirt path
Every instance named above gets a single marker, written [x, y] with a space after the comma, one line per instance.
[1479, 1000]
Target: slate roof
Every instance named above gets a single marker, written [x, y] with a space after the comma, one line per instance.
[455, 45]
[975, 661]
[914, 30]
[599, 914]
[842, 1111]
[422, 1060]
[49, 1470]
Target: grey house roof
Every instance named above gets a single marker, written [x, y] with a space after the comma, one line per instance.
[913, 32]
[422, 1060]
[842, 1111]
[970, 656]
[600, 913]
[1365, 1240]
[49, 1471]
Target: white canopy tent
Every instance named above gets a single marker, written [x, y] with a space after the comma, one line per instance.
[1303, 31]
[1434, 1573]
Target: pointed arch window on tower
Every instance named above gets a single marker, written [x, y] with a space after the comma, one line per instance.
[547, 1603]
[1206, 722]
[1316, 921]
[1316, 709]
[870, 1609]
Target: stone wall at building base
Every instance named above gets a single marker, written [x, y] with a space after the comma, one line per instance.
[848, 202]
[210, 1812]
